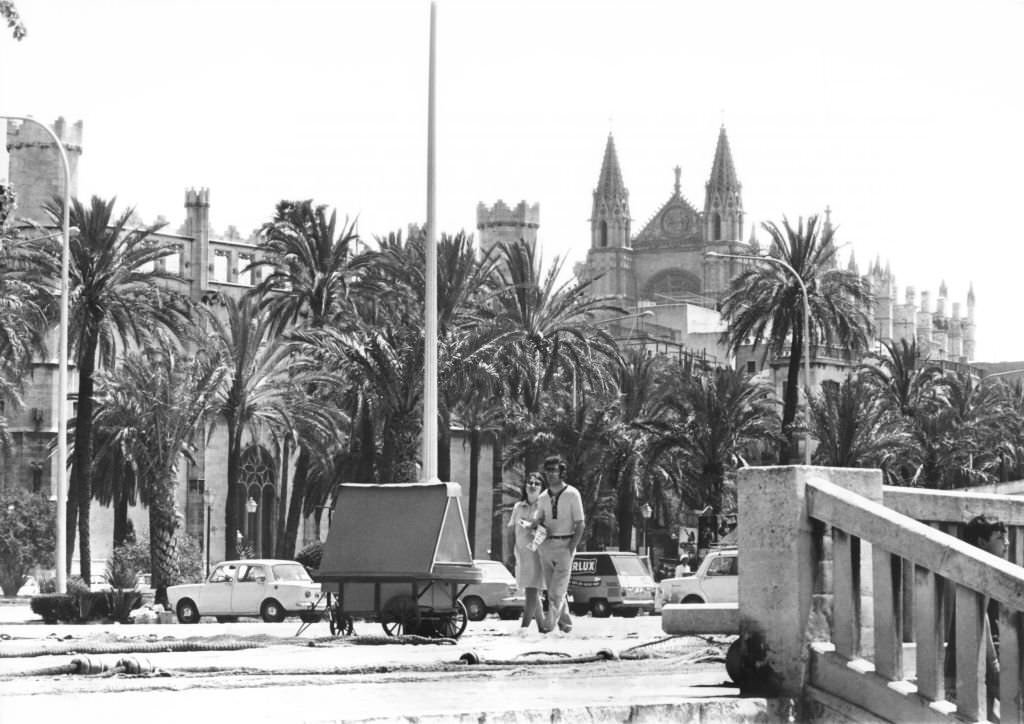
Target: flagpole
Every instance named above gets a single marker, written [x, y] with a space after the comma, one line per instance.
[429, 457]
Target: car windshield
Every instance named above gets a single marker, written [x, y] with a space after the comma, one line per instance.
[629, 566]
[291, 572]
[494, 571]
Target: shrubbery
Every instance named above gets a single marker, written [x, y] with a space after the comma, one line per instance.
[27, 536]
[311, 555]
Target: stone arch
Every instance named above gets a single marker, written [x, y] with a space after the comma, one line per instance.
[258, 481]
[672, 283]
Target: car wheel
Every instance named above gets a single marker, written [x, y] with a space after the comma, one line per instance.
[227, 619]
[578, 609]
[692, 598]
[475, 608]
[510, 614]
[271, 611]
[187, 611]
[599, 608]
[629, 612]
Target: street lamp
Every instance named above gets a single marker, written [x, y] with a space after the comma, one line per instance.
[62, 362]
[807, 330]
[250, 507]
[646, 512]
[208, 502]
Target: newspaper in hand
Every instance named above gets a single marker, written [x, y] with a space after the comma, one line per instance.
[538, 537]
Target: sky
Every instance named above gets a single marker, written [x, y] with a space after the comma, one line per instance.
[906, 119]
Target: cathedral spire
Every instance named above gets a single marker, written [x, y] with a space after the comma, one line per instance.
[723, 204]
[609, 183]
[609, 221]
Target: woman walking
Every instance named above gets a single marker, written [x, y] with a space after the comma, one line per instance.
[527, 559]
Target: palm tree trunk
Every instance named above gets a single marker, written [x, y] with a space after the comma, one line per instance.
[291, 529]
[787, 447]
[497, 525]
[81, 471]
[161, 537]
[120, 519]
[282, 526]
[444, 444]
[231, 506]
[474, 484]
[367, 445]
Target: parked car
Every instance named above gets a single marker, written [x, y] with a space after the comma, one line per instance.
[610, 582]
[496, 593]
[270, 589]
[716, 581]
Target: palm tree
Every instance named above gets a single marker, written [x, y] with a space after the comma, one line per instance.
[709, 421]
[150, 410]
[764, 305]
[312, 265]
[855, 428]
[902, 375]
[116, 301]
[256, 392]
[541, 333]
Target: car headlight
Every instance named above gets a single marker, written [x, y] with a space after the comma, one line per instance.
[309, 594]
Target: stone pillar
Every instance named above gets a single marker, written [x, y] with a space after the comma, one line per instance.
[778, 565]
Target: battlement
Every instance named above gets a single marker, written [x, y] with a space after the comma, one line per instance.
[26, 135]
[501, 215]
[200, 197]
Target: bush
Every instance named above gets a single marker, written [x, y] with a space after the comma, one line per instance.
[54, 607]
[311, 555]
[121, 570]
[27, 536]
[188, 564]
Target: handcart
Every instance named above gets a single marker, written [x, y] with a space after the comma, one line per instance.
[397, 554]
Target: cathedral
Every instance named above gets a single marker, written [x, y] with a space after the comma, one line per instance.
[663, 271]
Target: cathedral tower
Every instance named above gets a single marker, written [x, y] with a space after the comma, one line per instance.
[723, 203]
[610, 258]
[500, 224]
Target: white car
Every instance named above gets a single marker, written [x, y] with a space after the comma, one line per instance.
[270, 589]
[716, 581]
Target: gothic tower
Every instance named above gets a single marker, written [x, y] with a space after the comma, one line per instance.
[610, 257]
[36, 171]
[723, 203]
[500, 224]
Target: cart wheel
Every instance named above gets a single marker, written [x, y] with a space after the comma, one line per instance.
[341, 623]
[451, 626]
[400, 616]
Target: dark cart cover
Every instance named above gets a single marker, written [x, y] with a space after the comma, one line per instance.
[389, 532]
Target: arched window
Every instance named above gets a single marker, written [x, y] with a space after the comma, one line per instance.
[257, 483]
[672, 284]
[716, 227]
[604, 234]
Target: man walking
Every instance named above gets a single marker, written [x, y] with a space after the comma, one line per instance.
[560, 511]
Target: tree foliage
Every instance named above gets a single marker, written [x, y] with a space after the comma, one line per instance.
[27, 536]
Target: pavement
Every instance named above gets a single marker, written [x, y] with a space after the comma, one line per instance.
[606, 670]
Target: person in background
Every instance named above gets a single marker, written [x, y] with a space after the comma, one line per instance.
[560, 512]
[683, 569]
[526, 558]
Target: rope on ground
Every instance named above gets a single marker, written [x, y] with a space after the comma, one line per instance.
[130, 647]
[408, 639]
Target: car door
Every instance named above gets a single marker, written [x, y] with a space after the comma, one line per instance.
[722, 583]
[215, 594]
[249, 590]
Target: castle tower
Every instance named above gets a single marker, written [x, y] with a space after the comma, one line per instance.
[723, 204]
[610, 259]
[882, 288]
[904, 317]
[36, 172]
[197, 225]
[956, 349]
[500, 224]
[968, 326]
[924, 324]
[609, 220]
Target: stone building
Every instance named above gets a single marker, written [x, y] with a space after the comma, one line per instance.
[209, 266]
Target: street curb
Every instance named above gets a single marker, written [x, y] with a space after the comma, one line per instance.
[690, 710]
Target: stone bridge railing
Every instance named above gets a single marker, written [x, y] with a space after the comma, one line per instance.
[829, 561]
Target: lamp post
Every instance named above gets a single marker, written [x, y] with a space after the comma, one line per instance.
[208, 503]
[62, 362]
[807, 330]
[646, 512]
[250, 508]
